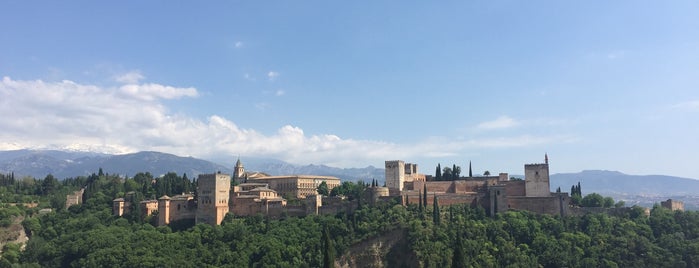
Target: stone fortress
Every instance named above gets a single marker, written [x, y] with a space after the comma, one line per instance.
[493, 193]
[254, 193]
[258, 193]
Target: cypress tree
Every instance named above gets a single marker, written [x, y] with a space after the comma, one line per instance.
[424, 197]
[438, 172]
[579, 191]
[419, 195]
[328, 250]
[458, 257]
[435, 211]
[454, 173]
[470, 171]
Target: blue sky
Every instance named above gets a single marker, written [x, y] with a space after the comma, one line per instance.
[595, 84]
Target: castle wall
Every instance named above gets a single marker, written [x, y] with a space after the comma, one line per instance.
[148, 207]
[460, 186]
[515, 188]
[555, 205]
[444, 199]
[182, 207]
[497, 200]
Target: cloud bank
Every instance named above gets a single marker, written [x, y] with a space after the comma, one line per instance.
[132, 117]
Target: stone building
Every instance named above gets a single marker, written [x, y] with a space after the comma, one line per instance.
[76, 198]
[249, 199]
[175, 208]
[121, 206]
[298, 186]
[398, 173]
[673, 205]
[494, 193]
[212, 200]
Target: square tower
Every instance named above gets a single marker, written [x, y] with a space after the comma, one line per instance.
[212, 197]
[395, 175]
[536, 180]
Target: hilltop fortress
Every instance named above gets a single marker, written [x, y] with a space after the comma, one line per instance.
[258, 193]
[494, 193]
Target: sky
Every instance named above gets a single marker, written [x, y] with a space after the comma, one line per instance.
[610, 85]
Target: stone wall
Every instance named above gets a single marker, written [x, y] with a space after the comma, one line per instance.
[514, 188]
[554, 205]
[444, 199]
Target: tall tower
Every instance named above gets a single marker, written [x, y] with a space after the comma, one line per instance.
[239, 172]
[163, 210]
[213, 193]
[536, 179]
[395, 175]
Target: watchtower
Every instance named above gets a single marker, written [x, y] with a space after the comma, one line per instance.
[536, 179]
[213, 194]
[395, 175]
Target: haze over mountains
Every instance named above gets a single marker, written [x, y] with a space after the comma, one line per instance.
[62, 164]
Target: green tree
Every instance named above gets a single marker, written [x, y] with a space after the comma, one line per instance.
[438, 172]
[608, 202]
[456, 172]
[436, 217]
[470, 170]
[424, 195]
[323, 189]
[48, 185]
[447, 173]
[328, 250]
[592, 200]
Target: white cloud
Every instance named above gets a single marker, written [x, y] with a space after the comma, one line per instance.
[272, 75]
[132, 77]
[154, 91]
[499, 123]
[238, 44]
[279, 93]
[40, 114]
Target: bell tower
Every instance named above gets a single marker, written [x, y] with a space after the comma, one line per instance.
[239, 172]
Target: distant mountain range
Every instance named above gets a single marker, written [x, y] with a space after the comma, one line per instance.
[63, 164]
[616, 183]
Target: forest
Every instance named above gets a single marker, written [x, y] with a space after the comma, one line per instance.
[88, 235]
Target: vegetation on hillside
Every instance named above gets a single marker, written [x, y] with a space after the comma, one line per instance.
[87, 235]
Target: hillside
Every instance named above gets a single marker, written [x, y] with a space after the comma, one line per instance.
[614, 182]
[39, 163]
